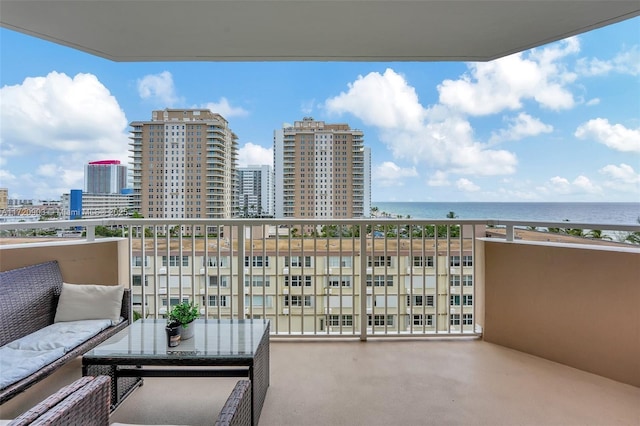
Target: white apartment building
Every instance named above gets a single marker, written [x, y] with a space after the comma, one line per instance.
[105, 177]
[405, 293]
[255, 191]
[321, 171]
[184, 164]
[95, 206]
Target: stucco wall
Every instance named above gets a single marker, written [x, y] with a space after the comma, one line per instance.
[104, 261]
[574, 305]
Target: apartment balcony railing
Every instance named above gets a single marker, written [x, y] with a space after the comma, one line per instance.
[569, 299]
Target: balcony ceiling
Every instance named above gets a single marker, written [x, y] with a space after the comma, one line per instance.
[318, 30]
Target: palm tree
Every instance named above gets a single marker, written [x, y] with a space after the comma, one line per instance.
[452, 215]
[597, 235]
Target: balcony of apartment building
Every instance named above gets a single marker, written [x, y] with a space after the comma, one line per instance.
[394, 321]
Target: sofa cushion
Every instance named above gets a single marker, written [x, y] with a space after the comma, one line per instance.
[17, 364]
[24, 356]
[85, 302]
[66, 335]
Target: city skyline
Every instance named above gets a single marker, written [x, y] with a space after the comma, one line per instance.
[557, 123]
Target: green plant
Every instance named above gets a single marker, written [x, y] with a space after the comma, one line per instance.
[183, 313]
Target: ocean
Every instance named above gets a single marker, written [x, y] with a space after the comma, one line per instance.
[602, 213]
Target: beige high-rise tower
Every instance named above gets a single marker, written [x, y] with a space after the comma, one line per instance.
[321, 171]
[184, 164]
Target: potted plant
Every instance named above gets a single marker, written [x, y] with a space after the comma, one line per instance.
[184, 314]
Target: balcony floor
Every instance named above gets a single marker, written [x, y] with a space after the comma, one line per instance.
[411, 382]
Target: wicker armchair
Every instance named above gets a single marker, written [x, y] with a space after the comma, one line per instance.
[84, 402]
[237, 410]
[87, 402]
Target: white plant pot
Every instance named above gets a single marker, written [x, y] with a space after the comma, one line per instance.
[187, 331]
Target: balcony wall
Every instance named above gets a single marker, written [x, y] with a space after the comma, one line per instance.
[576, 305]
[105, 261]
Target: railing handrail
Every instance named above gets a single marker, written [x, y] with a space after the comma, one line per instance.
[293, 221]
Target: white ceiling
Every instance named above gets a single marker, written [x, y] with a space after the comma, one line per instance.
[318, 30]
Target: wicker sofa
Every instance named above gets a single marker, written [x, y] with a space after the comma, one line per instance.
[87, 402]
[28, 300]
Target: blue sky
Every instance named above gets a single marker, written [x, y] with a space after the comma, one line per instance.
[557, 123]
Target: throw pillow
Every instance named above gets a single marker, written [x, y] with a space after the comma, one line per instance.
[85, 301]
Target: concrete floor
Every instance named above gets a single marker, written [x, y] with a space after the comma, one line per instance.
[427, 382]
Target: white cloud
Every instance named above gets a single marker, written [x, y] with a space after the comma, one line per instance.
[254, 155]
[382, 100]
[69, 178]
[623, 173]
[491, 87]
[6, 177]
[580, 185]
[439, 178]
[625, 62]
[466, 185]
[615, 136]
[158, 88]
[224, 108]
[306, 107]
[390, 174]
[62, 119]
[520, 127]
[436, 136]
[592, 102]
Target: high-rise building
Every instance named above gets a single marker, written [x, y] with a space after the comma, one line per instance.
[184, 165]
[255, 191]
[105, 177]
[321, 171]
[4, 198]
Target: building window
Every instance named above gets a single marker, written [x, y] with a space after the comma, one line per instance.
[214, 261]
[175, 260]
[455, 319]
[467, 299]
[215, 300]
[467, 319]
[379, 261]
[420, 320]
[421, 261]
[380, 280]
[336, 281]
[257, 281]
[297, 261]
[257, 261]
[380, 320]
[137, 261]
[215, 281]
[297, 280]
[454, 300]
[337, 262]
[298, 301]
[455, 261]
[467, 280]
[340, 320]
[454, 280]
[137, 280]
[467, 260]
[258, 301]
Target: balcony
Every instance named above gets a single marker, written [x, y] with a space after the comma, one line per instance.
[551, 337]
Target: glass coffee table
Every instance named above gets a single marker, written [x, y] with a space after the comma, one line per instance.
[219, 348]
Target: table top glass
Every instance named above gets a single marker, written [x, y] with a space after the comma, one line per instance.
[147, 338]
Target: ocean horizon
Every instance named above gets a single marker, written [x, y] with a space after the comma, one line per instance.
[619, 213]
